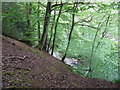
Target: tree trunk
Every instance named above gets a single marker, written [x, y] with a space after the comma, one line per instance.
[56, 24]
[46, 23]
[46, 44]
[27, 10]
[51, 33]
[70, 34]
[38, 25]
[72, 27]
[93, 46]
[28, 13]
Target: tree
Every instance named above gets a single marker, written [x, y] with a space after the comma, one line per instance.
[46, 24]
[56, 24]
[51, 32]
[71, 30]
[28, 13]
[38, 14]
[91, 36]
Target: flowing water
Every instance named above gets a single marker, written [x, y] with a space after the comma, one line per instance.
[69, 61]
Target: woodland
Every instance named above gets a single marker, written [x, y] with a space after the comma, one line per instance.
[84, 33]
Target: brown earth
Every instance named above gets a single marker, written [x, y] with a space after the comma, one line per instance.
[27, 67]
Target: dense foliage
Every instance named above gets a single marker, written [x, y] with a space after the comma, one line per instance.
[93, 29]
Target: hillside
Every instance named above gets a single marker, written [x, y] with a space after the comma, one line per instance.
[25, 67]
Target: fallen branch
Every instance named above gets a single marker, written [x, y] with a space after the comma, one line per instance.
[21, 58]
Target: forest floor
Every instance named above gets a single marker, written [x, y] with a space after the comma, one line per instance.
[25, 67]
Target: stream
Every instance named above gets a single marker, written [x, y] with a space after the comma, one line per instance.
[69, 61]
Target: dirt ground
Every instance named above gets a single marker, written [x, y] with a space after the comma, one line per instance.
[27, 67]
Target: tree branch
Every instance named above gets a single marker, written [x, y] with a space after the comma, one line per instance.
[88, 26]
[66, 3]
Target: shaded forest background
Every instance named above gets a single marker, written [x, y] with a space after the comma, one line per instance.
[84, 31]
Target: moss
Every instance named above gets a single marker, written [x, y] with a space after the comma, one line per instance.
[41, 56]
[67, 67]
[25, 87]
[17, 81]
[22, 87]
[23, 48]
[32, 51]
[52, 69]
[13, 87]
[23, 77]
[9, 73]
[75, 84]
[36, 53]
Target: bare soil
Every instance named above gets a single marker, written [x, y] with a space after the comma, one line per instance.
[27, 67]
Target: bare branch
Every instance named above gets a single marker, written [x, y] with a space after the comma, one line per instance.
[88, 26]
[66, 3]
[84, 20]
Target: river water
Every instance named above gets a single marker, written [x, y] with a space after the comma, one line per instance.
[69, 61]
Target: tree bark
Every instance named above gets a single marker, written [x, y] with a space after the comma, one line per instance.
[28, 13]
[93, 46]
[56, 24]
[51, 33]
[104, 32]
[72, 27]
[38, 25]
[70, 34]
[46, 23]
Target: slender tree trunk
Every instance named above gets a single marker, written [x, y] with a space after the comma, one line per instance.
[28, 13]
[70, 34]
[51, 32]
[38, 25]
[72, 27]
[93, 46]
[39, 32]
[46, 44]
[56, 24]
[46, 23]
[104, 32]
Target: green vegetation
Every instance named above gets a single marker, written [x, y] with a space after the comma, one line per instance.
[21, 78]
[84, 31]
[73, 83]
[9, 73]
[52, 69]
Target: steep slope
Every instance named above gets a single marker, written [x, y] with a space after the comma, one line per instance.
[26, 67]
